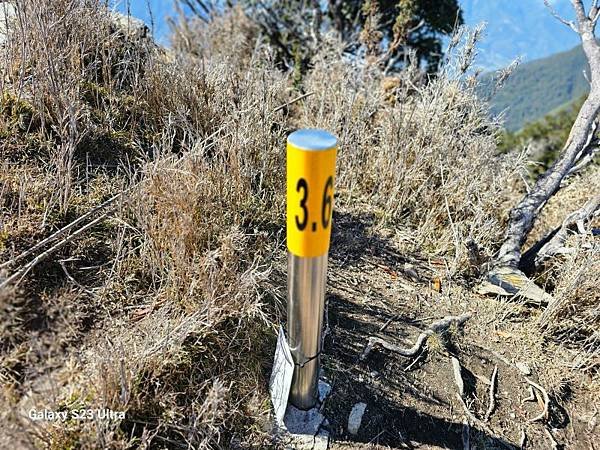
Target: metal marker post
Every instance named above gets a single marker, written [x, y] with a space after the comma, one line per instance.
[311, 156]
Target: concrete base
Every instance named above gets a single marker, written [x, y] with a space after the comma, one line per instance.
[306, 430]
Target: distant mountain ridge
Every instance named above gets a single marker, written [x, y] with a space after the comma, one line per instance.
[538, 87]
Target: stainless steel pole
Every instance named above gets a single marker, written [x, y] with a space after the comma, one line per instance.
[311, 156]
[306, 301]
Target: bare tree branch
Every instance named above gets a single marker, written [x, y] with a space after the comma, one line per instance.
[556, 245]
[505, 276]
[18, 276]
[523, 216]
[568, 23]
[108, 203]
[579, 11]
[436, 327]
[585, 159]
[587, 153]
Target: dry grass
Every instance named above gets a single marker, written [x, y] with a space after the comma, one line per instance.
[424, 157]
[574, 317]
[166, 309]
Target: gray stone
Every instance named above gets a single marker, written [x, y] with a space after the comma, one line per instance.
[507, 281]
[355, 417]
[131, 26]
[523, 368]
[305, 430]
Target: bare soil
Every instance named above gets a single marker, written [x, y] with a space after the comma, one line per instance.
[412, 402]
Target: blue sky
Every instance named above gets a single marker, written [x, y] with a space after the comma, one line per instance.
[150, 11]
[514, 27]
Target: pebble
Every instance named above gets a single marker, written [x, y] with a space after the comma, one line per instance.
[523, 368]
[355, 417]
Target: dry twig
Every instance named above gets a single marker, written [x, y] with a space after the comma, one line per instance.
[458, 376]
[481, 424]
[62, 231]
[410, 366]
[292, 101]
[436, 327]
[492, 404]
[19, 274]
[544, 415]
[387, 323]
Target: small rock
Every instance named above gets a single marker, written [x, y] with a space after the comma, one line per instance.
[410, 272]
[523, 368]
[355, 417]
[512, 415]
[131, 26]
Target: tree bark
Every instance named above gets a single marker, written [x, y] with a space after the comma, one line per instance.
[522, 217]
[554, 243]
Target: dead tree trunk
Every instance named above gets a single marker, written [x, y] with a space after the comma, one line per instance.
[576, 149]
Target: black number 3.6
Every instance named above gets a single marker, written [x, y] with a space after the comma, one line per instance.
[326, 207]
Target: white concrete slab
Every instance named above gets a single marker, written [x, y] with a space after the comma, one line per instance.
[306, 430]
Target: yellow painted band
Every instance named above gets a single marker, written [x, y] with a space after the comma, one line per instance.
[310, 182]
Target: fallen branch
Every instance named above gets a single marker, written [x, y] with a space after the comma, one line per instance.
[481, 424]
[492, 404]
[62, 231]
[436, 327]
[555, 246]
[545, 413]
[19, 274]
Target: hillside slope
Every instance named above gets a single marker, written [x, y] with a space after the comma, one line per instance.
[143, 257]
[536, 88]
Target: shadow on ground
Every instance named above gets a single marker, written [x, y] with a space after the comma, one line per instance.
[405, 408]
[401, 410]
